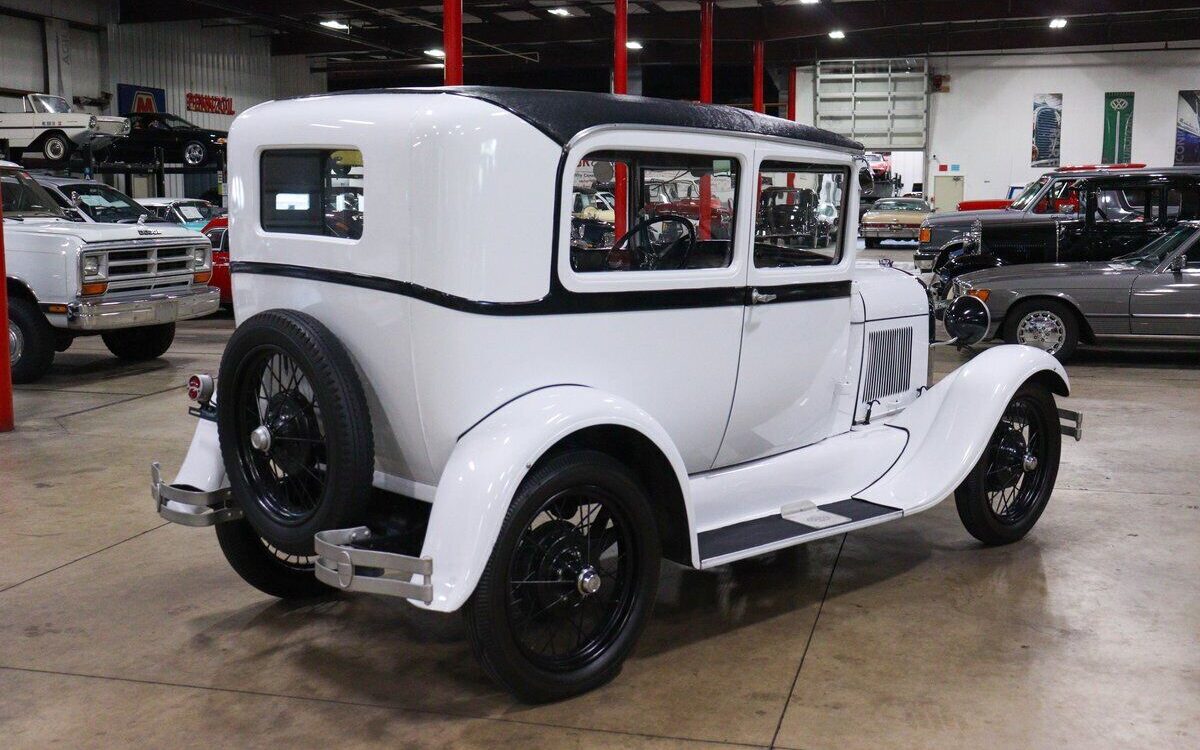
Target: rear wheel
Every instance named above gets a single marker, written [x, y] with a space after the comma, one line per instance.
[194, 153]
[571, 580]
[1005, 494]
[294, 428]
[1048, 325]
[138, 344]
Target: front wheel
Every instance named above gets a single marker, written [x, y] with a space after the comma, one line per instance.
[30, 341]
[1048, 325]
[194, 154]
[1005, 494]
[56, 148]
[138, 344]
[571, 580]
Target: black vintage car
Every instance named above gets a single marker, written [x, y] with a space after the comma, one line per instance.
[1065, 216]
[181, 141]
[794, 217]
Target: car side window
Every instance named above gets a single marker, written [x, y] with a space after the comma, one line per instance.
[673, 212]
[1115, 205]
[1063, 197]
[312, 191]
[799, 217]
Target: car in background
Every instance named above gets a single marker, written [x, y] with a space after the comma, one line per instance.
[49, 126]
[217, 232]
[93, 201]
[894, 219]
[988, 203]
[880, 164]
[1065, 216]
[1151, 294]
[181, 141]
[192, 213]
[792, 217]
[591, 204]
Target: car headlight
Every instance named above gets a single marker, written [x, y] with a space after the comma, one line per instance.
[92, 267]
[200, 256]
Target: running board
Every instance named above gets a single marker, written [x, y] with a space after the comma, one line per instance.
[795, 524]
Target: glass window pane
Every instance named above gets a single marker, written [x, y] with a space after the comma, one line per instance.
[313, 192]
[800, 213]
[648, 211]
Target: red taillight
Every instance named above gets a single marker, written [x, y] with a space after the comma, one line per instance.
[200, 388]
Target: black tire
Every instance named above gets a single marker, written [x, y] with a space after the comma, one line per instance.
[194, 154]
[139, 344]
[30, 340]
[1047, 324]
[56, 148]
[286, 373]
[541, 539]
[1003, 497]
[271, 571]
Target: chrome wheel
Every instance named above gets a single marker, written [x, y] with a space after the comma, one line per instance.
[16, 344]
[193, 154]
[54, 149]
[1043, 330]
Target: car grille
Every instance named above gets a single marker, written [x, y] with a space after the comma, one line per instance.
[889, 363]
[148, 265]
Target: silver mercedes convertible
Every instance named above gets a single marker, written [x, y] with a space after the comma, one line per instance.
[1151, 294]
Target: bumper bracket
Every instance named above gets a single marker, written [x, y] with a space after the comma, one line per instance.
[191, 507]
[1072, 423]
[355, 560]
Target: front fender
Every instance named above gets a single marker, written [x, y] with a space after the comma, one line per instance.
[490, 461]
[958, 265]
[950, 425]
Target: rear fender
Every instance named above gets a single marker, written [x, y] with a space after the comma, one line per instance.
[950, 425]
[203, 469]
[489, 463]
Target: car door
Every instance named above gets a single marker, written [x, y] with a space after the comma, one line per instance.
[1122, 218]
[1167, 302]
[796, 326]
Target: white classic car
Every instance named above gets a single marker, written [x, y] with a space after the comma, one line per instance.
[48, 125]
[479, 415]
[128, 283]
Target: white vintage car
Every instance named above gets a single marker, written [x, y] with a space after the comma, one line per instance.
[476, 415]
[48, 125]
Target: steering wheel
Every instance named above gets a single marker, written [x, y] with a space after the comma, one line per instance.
[651, 253]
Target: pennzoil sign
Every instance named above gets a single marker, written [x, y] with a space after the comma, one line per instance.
[215, 105]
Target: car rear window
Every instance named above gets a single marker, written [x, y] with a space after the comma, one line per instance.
[312, 191]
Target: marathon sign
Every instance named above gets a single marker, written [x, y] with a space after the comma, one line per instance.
[132, 99]
[213, 105]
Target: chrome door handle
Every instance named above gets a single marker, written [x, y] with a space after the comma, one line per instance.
[758, 298]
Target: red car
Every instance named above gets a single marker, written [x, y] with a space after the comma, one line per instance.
[217, 232]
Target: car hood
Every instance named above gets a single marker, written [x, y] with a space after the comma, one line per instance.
[987, 216]
[895, 217]
[89, 232]
[1054, 275]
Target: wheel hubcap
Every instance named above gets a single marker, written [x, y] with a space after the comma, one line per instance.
[55, 148]
[16, 344]
[260, 439]
[1030, 463]
[1043, 330]
[193, 154]
[588, 581]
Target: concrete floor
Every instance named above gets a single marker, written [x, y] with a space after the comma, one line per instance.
[117, 629]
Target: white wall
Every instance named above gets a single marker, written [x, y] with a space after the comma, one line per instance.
[291, 76]
[985, 122]
[22, 57]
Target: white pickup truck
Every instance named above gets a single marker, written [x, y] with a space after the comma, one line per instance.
[128, 283]
[49, 126]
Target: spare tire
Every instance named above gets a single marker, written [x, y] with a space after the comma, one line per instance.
[294, 428]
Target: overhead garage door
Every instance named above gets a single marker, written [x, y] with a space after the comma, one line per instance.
[882, 103]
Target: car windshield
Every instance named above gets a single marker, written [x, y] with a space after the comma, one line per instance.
[910, 205]
[178, 123]
[103, 203]
[50, 104]
[196, 210]
[25, 198]
[1152, 254]
[1025, 199]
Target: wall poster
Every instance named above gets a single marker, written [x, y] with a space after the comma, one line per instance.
[1047, 129]
[1118, 128]
[1187, 129]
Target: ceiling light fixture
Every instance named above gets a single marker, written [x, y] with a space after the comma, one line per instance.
[631, 44]
[809, 2]
[837, 34]
[435, 53]
[560, 12]
[333, 23]
[1058, 23]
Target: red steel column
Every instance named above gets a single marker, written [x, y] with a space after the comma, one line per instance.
[706, 96]
[759, 54]
[620, 86]
[6, 395]
[452, 41]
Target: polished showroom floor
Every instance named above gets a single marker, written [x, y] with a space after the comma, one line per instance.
[117, 629]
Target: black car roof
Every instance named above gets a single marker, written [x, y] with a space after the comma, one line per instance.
[562, 115]
[1138, 173]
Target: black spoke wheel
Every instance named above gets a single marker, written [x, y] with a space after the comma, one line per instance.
[295, 431]
[266, 567]
[1007, 490]
[571, 579]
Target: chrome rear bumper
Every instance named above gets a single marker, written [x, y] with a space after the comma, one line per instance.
[191, 507]
[344, 563]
